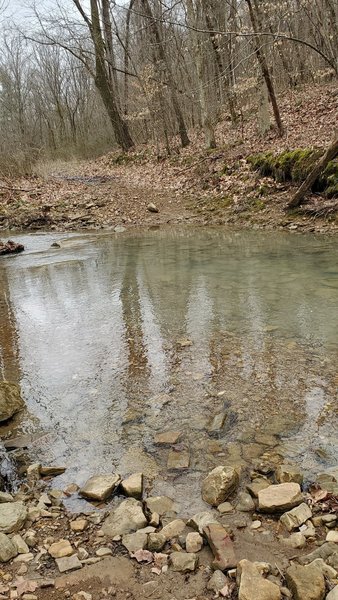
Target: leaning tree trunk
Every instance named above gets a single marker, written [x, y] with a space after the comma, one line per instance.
[330, 154]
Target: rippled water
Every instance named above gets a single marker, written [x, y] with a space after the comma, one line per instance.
[115, 338]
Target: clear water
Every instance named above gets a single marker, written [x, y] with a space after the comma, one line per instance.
[93, 332]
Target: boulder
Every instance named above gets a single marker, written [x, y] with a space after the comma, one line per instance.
[288, 474]
[252, 586]
[333, 595]
[183, 561]
[219, 484]
[201, 520]
[8, 549]
[135, 541]
[296, 517]
[12, 516]
[133, 486]
[100, 487]
[221, 546]
[10, 400]
[126, 518]
[306, 583]
[193, 542]
[279, 498]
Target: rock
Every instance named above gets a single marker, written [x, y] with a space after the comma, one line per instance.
[133, 486]
[217, 581]
[82, 596]
[325, 552]
[173, 529]
[5, 497]
[296, 540]
[135, 541]
[154, 519]
[10, 400]
[252, 586]
[178, 459]
[25, 558]
[296, 517]
[160, 504]
[119, 229]
[12, 516]
[306, 583]
[156, 541]
[183, 561]
[221, 546]
[288, 474]
[327, 571]
[30, 538]
[20, 544]
[103, 551]
[279, 498]
[308, 530]
[333, 595]
[328, 519]
[82, 554]
[193, 542]
[245, 503]
[167, 438]
[217, 422]
[152, 208]
[60, 549]
[126, 518]
[256, 486]
[100, 487]
[68, 563]
[256, 524]
[79, 525]
[8, 549]
[225, 507]
[51, 471]
[201, 520]
[10, 247]
[219, 484]
[332, 536]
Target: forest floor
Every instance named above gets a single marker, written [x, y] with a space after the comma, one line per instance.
[192, 185]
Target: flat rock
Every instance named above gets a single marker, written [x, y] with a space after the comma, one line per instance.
[133, 486]
[221, 546]
[60, 549]
[8, 549]
[288, 474]
[296, 540]
[160, 504]
[135, 541]
[193, 542]
[200, 520]
[178, 459]
[252, 586]
[332, 536]
[219, 484]
[167, 438]
[333, 595]
[10, 400]
[279, 498]
[103, 551]
[305, 582]
[296, 517]
[68, 563]
[327, 571]
[173, 529]
[183, 561]
[256, 486]
[100, 487]
[126, 518]
[12, 516]
[325, 552]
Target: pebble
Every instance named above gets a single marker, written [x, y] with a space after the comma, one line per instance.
[256, 524]
[104, 551]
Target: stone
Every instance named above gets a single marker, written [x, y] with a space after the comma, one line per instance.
[219, 484]
[332, 536]
[225, 507]
[296, 540]
[5, 497]
[325, 552]
[100, 487]
[133, 486]
[173, 529]
[152, 208]
[135, 541]
[280, 497]
[82, 596]
[178, 459]
[60, 549]
[167, 438]
[25, 558]
[245, 502]
[51, 471]
[119, 229]
[126, 518]
[217, 581]
[160, 504]
[308, 529]
[305, 582]
[20, 544]
[200, 520]
[8, 549]
[12, 516]
[296, 517]
[327, 571]
[328, 519]
[82, 554]
[30, 538]
[256, 486]
[252, 586]
[217, 422]
[256, 524]
[68, 563]
[288, 474]
[154, 519]
[221, 546]
[193, 542]
[79, 525]
[333, 595]
[10, 400]
[183, 561]
[156, 541]
[103, 551]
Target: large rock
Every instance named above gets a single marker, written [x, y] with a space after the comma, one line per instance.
[296, 517]
[306, 583]
[8, 549]
[133, 486]
[10, 400]
[219, 484]
[126, 518]
[12, 516]
[221, 546]
[183, 561]
[252, 586]
[279, 498]
[100, 487]
[333, 595]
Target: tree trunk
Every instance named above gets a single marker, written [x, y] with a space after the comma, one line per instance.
[330, 154]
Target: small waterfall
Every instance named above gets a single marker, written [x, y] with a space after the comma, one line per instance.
[9, 479]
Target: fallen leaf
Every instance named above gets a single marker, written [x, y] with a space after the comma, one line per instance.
[143, 556]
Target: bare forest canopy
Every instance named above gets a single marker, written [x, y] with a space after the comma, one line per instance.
[80, 77]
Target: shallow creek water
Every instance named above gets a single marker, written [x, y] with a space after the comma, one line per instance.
[115, 338]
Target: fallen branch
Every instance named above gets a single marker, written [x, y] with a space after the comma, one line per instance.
[201, 160]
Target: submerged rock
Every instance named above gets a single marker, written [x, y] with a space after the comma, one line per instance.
[219, 484]
[252, 586]
[10, 400]
[100, 487]
[279, 498]
[12, 516]
[126, 518]
[10, 247]
[305, 582]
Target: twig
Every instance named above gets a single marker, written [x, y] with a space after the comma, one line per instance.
[15, 189]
